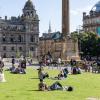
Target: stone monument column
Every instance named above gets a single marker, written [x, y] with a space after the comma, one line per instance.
[65, 17]
[69, 46]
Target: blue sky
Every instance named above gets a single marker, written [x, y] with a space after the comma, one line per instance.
[49, 10]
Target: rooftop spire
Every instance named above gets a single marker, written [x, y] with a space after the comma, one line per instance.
[49, 30]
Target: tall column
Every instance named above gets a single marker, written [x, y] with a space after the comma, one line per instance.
[65, 17]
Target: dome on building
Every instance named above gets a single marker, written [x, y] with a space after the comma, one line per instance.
[96, 7]
[29, 5]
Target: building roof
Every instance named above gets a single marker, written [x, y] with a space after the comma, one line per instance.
[96, 7]
[56, 36]
[51, 36]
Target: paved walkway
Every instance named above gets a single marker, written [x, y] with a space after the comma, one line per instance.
[35, 66]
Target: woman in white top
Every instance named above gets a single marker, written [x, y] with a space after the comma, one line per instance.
[2, 78]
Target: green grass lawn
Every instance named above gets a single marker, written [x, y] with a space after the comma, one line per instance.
[24, 87]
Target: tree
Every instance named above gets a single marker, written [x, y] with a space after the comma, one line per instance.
[18, 54]
[89, 42]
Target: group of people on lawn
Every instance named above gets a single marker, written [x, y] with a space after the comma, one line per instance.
[41, 74]
[56, 85]
[62, 75]
[20, 69]
[21, 66]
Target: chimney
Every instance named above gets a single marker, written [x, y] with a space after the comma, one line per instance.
[5, 17]
[84, 14]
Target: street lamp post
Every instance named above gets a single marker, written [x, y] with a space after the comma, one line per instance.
[45, 47]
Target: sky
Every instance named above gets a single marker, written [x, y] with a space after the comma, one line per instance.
[49, 11]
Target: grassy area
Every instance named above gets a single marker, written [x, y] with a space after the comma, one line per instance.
[24, 87]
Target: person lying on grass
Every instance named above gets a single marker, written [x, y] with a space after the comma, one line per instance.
[55, 86]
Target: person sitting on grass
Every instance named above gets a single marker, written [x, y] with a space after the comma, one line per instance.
[41, 74]
[63, 74]
[60, 75]
[13, 61]
[76, 70]
[18, 70]
[23, 65]
[65, 71]
[55, 86]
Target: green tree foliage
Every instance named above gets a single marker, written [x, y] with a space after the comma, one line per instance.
[18, 54]
[89, 43]
[30, 54]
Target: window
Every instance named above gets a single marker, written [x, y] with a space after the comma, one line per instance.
[4, 48]
[11, 38]
[4, 55]
[20, 48]
[32, 39]
[12, 48]
[4, 38]
[19, 38]
[31, 48]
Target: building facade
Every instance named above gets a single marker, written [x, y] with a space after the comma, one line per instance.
[91, 21]
[54, 45]
[20, 35]
[47, 44]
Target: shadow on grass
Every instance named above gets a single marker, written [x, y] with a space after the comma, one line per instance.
[53, 78]
[33, 90]
[34, 78]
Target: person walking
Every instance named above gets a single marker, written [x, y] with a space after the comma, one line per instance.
[2, 78]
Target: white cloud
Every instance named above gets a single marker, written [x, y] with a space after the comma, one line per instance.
[79, 11]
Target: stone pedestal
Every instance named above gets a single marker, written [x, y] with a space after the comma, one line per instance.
[70, 51]
[66, 49]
